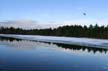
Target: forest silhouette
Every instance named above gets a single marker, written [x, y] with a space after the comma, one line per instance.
[91, 31]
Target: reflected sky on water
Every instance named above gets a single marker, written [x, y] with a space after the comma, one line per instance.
[20, 55]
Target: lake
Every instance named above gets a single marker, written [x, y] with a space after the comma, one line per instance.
[25, 55]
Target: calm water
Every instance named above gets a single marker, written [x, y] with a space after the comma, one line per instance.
[23, 55]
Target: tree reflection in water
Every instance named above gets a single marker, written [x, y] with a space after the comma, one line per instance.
[83, 48]
[65, 46]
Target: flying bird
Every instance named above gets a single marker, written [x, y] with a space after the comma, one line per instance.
[84, 14]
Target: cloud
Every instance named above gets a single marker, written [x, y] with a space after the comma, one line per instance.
[30, 24]
[25, 24]
[86, 22]
[80, 8]
[79, 22]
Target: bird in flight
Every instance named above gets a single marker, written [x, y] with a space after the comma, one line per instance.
[84, 14]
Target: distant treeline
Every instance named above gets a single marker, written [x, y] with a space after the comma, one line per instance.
[68, 31]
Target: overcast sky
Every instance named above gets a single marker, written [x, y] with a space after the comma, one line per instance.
[56, 11]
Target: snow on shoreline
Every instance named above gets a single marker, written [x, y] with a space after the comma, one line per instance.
[97, 43]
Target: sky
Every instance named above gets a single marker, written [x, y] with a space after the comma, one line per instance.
[56, 11]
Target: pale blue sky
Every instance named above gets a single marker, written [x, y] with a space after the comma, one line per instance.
[55, 10]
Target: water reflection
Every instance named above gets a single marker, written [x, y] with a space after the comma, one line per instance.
[83, 48]
[24, 44]
[24, 55]
[21, 44]
[9, 39]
